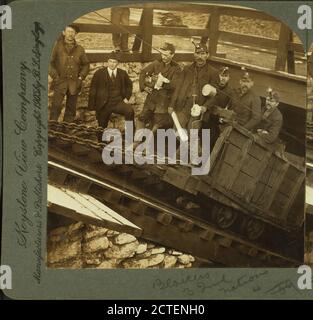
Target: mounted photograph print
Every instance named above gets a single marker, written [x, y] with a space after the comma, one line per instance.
[158, 144]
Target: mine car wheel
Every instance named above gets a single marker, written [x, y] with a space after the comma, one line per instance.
[253, 228]
[224, 217]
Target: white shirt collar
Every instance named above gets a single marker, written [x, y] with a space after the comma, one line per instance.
[112, 71]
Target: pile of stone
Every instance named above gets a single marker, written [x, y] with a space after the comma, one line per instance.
[87, 246]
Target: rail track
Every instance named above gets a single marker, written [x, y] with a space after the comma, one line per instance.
[170, 218]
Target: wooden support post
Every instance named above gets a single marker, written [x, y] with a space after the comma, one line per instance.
[282, 49]
[147, 25]
[138, 37]
[291, 56]
[213, 26]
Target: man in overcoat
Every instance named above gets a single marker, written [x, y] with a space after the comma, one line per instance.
[69, 66]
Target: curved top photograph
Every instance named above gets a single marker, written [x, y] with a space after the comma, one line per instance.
[176, 139]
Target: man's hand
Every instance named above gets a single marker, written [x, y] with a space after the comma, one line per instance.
[126, 101]
[79, 84]
[148, 89]
[261, 132]
[196, 110]
[170, 110]
[160, 80]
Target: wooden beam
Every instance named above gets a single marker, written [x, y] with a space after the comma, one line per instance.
[106, 28]
[138, 38]
[147, 33]
[246, 13]
[74, 215]
[282, 48]
[297, 47]
[170, 6]
[177, 31]
[290, 55]
[208, 8]
[249, 40]
[101, 56]
[213, 26]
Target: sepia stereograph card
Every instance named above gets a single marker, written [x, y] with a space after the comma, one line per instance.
[157, 150]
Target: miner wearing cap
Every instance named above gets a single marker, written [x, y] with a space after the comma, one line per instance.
[221, 99]
[188, 92]
[246, 104]
[158, 79]
[110, 91]
[69, 66]
[272, 120]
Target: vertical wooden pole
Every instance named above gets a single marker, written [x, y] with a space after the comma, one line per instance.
[282, 49]
[213, 26]
[147, 31]
[291, 55]
[138, 41]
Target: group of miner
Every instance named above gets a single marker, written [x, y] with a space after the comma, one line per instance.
[193, 93]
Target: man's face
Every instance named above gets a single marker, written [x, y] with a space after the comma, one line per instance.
[166, 56]
[200, 58]
[69, 34]
[112, 64]
[223, 80]
[271, 103]
[245, 85]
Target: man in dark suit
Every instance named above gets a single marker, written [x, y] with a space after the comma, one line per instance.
[110, 91]
[69, 66]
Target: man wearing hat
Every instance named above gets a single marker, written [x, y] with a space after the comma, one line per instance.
[188, 91]
[246, 104]
[158, 80]
[272, 119]
[221, 99]
[69, 66]
[110, 90]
